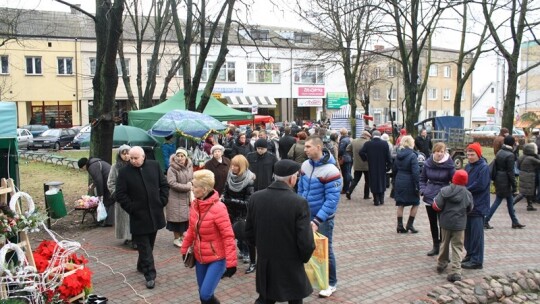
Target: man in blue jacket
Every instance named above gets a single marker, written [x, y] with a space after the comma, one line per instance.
[478, 185]
[320, 184]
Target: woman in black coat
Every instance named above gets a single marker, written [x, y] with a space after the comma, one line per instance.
[407, 188]
[505, 182]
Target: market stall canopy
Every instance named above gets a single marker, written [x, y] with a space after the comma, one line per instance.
[258, 119]
[146, 118]
[128, 135]
[8, 119]
[248, 101]
[188, 124]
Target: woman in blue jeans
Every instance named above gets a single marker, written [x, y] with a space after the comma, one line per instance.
[505, 182]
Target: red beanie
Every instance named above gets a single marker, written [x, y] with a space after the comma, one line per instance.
[460, 178]
[476, 148]
[403, 132]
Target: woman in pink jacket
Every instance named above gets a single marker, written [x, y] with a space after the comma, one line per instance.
[211, 235]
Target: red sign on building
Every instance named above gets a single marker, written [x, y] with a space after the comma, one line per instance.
[311, 91]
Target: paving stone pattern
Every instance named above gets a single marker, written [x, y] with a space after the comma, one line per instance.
[375, 264]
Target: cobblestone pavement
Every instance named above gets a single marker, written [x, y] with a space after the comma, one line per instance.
[375, 264]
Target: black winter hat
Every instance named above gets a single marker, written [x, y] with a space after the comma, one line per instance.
[509, 140]
[82, 162]
[261, 143]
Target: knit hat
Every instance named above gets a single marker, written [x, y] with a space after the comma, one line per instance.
[509, 140]
[460, 178]
[261, 143]
[403, 132]
[180, 150]
[216, 147]
[385, 137]
[476, 148]
[82, 162]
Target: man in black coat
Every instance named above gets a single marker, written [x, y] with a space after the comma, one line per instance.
[423, 144]
[278, 223]
[286, 142]
[141, 190]
[377, 153]
[261, 163]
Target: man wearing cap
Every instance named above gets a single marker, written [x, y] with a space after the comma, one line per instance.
[377, 153]
[278, 223]
[99, 173]
[261, 162]
[142, 190]
[320, 184]
[478, 184]
[360, 166]
[219, 165]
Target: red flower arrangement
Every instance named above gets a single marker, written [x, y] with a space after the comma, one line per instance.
[73, 284]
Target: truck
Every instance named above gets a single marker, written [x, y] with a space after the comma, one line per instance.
[449, 130]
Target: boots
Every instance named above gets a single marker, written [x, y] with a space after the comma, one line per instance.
[530, 204]
[435, 250]
[212, 300]
[400, 228]
[410, 226]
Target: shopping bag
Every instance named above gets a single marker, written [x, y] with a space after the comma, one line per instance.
[317, 267]
[101, 211]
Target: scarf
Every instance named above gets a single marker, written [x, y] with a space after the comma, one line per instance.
[238, 182]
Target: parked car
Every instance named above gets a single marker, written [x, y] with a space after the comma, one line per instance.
[83, 134]
[493, 130]
[24, 138]
[53, 138]
[36, 130]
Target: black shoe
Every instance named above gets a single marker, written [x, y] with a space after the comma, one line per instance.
[453, 277]
[433, 251]
[367, 197]
[488, 226]
[466, 259]
[441, 268]
[376, 204]
[348, 195]
[531, 208]
[471, 265]
[518, 226]
[251, 268]
[150, 284]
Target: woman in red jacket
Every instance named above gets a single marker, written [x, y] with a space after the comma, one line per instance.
[211, 235]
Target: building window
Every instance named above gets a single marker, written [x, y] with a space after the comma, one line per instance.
[433, 70]
[302, 38]
[180, 72]
[432, 114]
[261, 35]
[492, 90]
[65, 66]
[92, 66]
[432, 93]
[33, 65]
[446, 94]
[4, 61]
[119, 66]
[447, 71]
[149, 64]
[376, 73]
[391, 70]
[226, 73]
[391, 95]
[309, 74]
[263, 72]
[376, 94]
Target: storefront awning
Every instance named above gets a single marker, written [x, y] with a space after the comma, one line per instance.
[248, 101]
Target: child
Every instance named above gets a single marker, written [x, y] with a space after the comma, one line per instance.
[528, 163]
[453, 202]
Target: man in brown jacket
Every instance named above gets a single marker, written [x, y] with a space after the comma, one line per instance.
[360, 166]
[498, 141]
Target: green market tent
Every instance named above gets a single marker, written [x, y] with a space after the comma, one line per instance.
[9, 161]
[146, 118]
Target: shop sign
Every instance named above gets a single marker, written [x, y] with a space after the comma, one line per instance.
[216, 95]
[254, 109]
[310, 102]
[335, 100]
[229, 90]
[311, 91]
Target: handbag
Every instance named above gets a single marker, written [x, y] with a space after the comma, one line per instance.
[189, 257]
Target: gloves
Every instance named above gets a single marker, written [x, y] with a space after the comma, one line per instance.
[229, 272]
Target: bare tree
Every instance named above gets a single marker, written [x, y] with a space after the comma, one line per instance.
[200, 26]
[345, 28]
[413, 23]
[521, 19]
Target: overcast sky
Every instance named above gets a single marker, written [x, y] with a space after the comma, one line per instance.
[265, 14]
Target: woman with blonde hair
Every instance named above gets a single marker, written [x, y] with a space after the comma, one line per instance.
[179, 178]
[407, 189]
[211, 235]
[238, 189]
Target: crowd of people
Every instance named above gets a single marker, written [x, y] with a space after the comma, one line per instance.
[262, 194]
